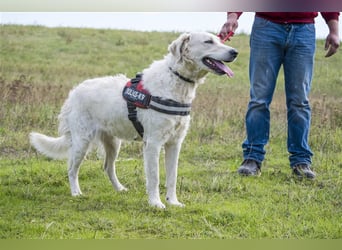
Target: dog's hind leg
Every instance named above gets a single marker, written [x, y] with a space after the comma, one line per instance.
[112, 148]
[76, 155]
[171, 164]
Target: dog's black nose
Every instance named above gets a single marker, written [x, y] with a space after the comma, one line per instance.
[234, 53]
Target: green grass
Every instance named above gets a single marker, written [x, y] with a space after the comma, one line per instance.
[40, 65]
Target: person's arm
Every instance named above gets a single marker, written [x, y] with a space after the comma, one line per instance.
[231, 24]
[332, 41]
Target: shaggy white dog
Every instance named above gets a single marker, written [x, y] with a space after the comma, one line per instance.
[96, 110]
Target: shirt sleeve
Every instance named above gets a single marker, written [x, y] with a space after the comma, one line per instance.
[330, 16]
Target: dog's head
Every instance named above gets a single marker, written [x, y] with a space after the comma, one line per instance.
[203, 51]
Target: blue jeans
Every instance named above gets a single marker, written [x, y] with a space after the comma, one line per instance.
[273, 45]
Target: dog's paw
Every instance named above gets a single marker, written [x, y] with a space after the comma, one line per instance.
[157, 204]
[76, 193]
[175, 203]
[121, 189]
[178, 204]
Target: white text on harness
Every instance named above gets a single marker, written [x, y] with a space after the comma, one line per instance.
[134, 94]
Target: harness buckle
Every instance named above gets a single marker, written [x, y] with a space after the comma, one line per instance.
[137, 78]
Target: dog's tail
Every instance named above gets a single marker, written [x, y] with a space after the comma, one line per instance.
[56, 148]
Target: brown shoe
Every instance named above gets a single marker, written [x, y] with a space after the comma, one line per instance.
[250, 167]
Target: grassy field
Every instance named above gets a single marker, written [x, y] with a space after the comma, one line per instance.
[38, 66]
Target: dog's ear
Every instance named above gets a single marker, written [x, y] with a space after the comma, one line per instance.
[178, 47]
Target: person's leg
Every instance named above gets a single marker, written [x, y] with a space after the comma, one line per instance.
[298, 70]
[265, 61]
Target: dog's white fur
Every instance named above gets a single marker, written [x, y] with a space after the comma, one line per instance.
[96, 110]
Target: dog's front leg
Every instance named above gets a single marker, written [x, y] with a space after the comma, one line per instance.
[151, 164]
[171, 164]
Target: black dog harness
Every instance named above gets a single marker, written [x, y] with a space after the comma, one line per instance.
[136, 96]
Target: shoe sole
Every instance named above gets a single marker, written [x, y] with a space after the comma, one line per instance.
[246, 173]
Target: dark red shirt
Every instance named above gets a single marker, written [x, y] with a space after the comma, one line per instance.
[295, 17]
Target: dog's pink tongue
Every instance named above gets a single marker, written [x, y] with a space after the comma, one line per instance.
[225, 69]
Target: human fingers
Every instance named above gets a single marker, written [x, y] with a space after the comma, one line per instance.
[331, 45]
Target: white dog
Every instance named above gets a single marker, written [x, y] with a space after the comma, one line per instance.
[96, 110]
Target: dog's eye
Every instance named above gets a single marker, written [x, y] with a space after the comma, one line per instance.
[209, 41]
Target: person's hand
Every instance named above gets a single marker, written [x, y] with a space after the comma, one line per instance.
[332, 41]
[331, 44]
[230, 25]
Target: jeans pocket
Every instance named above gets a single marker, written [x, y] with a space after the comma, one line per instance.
[309, 27]
[261, 30]
[306, 36]
[260, 23]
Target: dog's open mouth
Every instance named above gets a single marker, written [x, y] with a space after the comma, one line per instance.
[217, 66]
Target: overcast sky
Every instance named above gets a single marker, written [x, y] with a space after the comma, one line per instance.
[141, 21]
